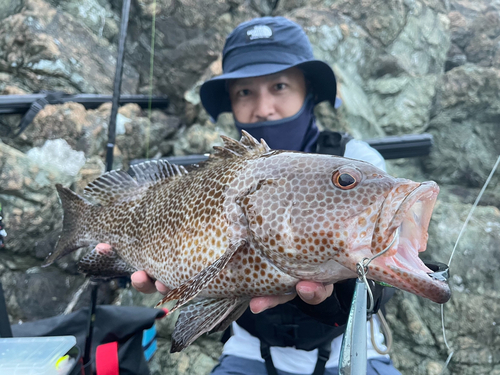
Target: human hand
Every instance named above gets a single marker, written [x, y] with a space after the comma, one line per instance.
[144, 284]
[310, 292]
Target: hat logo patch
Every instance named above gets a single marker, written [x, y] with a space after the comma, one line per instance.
[259, 32]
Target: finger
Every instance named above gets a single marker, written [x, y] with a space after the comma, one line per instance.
[259, 304]
[313, 293]
[161, 288]
[141, 281]
[103, 248]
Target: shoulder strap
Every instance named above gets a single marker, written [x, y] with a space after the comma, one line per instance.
[265, 352]
[285, 325]
[323, 356]
[332, 143]
[52, 97]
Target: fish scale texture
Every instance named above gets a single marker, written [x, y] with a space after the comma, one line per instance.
[253, 221]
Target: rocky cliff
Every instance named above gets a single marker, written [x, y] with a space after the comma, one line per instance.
[403, 66]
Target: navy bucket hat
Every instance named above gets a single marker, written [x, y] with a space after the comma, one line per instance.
[264, 46]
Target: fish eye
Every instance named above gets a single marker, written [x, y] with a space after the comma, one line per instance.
[345, 180]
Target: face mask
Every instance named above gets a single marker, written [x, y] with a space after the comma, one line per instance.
[296, 133]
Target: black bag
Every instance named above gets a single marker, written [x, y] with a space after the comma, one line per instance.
[117, 335]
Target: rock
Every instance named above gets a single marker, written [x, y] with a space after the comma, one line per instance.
[194, 360]
[59, 155]
[137, 136]
[403, 66]
[49, 292]
[92, 169]
[374, 17]
[474, 32]
[38, 293]
[402, 104]
[29, 200]
[200, 139]
[464, 124]
[97, 16]
[422, 45]
[45, 49]
[9, 7]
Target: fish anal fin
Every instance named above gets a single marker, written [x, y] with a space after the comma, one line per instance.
[192, 287]
[104, 264]
[233, 315]
[205, 316]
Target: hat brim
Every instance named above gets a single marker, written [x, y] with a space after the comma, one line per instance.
[215, 98]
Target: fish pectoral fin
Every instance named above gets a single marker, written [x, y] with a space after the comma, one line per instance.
[207, 315]
[104, 264]
[190, 289]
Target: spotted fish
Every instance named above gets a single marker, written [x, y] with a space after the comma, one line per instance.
[249, 222]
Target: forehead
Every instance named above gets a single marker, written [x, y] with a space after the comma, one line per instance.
[291, 74]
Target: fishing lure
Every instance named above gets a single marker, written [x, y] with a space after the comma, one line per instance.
[353, 352]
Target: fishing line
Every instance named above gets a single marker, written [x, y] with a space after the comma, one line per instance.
[76, 297]
[469, 216]
[474, 206]
[151, 69]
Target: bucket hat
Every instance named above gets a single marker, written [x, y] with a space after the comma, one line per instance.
[265, 46]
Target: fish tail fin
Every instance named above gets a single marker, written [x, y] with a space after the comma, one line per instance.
[75, 210]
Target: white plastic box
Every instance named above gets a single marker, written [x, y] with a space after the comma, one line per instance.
[34, 355]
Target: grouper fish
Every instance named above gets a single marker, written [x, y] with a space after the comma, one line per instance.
[249, 222]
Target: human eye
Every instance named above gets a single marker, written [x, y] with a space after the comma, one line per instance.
[280, 86]
[243, 92]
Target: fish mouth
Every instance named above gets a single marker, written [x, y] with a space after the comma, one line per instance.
[406, 235]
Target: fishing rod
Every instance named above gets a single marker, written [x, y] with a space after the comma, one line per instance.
[117, 85]
[109, 166]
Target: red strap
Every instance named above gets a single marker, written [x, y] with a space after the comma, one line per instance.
[106, 359]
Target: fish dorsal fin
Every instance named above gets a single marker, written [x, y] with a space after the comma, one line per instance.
[110, 187]
[116, 185]
[155, 170]
[247, 146]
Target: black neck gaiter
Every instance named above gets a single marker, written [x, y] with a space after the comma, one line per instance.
[295, 133]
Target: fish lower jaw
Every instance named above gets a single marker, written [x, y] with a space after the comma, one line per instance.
[329, 272]
[422, 284]
[411, 280]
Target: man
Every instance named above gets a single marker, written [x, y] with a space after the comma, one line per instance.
[271, 83]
